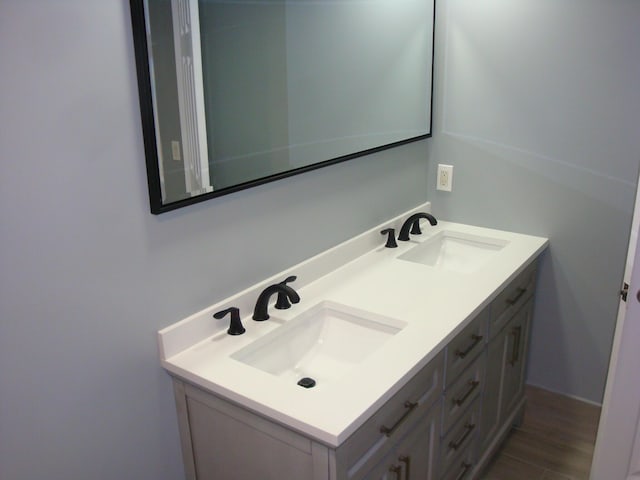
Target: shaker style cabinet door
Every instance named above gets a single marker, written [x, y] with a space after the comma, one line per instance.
[225, 447]
[517, 336]
[490, 416]
[504, 384]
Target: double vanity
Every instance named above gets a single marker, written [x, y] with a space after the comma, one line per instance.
[375, 361]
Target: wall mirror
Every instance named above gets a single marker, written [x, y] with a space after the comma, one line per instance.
[235, 93]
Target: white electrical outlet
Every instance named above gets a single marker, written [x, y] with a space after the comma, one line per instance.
[445, 177]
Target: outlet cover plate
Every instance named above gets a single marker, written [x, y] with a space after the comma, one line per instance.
[445, 177]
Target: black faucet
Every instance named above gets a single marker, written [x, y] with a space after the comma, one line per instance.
[391, 239]
[413, 223]
[282, 303]
[260, 311]
[235, 325]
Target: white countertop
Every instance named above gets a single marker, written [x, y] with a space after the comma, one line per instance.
[436, 304]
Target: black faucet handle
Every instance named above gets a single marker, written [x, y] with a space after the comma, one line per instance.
[282, 302]
[391, 237]
[415, 227]
[235, 325]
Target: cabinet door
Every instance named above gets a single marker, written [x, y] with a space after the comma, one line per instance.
[415, 456]
[490, 413]
[504, 380]
[231, 448]
[516, 341]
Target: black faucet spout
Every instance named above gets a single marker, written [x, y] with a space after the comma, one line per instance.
[260, 312]
[412, 225]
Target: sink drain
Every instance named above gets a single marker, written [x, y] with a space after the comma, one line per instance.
[307, 382]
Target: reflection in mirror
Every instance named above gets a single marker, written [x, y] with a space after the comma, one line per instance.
[236, 93]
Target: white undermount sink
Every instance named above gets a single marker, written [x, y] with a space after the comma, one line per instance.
[322, 343]
[455, 251]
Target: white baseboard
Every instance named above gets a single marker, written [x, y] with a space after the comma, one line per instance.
[575, 397]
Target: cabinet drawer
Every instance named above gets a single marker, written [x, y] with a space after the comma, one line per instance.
[394, 419]
[512, 298]
[414, 457]
[461, 437]
[462, 468]
[463, 392]
[463, 349]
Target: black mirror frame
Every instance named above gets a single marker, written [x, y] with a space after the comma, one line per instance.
[149, 131]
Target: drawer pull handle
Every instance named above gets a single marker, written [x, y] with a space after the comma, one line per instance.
[407, 466]
[457, 444]
[515, 354]
[475, 340]
[397, 469]
[409, 408]
[512, 301]
[465, 469]
[473, 384]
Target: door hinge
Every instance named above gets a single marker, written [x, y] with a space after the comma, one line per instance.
[624, 291]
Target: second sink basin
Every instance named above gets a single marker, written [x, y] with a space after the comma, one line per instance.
[321, 343]
[455, 251]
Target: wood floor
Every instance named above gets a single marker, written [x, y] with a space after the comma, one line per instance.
[554, 442]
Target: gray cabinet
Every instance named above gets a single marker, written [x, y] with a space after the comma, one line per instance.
[505, 384]
[483, 398]
[444, 423]
[516, 336]
[400, 441]
[490, 418]
[503, 398]
[223, 441]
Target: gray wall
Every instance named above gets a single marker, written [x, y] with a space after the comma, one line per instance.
[88, 275]
[538, 109]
